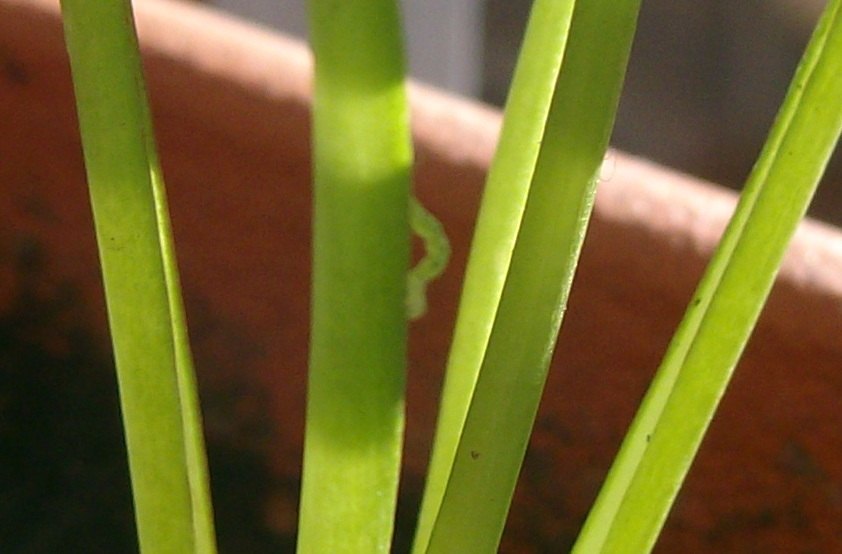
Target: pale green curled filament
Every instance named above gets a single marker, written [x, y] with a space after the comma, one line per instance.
[436, 254]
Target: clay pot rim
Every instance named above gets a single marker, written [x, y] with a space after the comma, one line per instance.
[672, 206]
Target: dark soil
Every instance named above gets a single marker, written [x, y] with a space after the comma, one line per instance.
[64, 485]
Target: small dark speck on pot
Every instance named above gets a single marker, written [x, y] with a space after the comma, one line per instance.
[14, 72]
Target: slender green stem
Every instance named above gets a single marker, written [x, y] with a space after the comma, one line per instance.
[362, 166]
[157, 385]
[500, 215]
[677, 410]
[539, 197]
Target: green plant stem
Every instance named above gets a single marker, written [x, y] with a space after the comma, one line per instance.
[157, 386]
[500, 214]
[539, 198]
[676, 412]
[362, 167]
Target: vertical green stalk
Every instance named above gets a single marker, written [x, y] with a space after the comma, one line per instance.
[530, 231]
[362, 166]
[154, 368]
[503, 202]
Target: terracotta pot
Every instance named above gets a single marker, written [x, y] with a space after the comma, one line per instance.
[231, 108]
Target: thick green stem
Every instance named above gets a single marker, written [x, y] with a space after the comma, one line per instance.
[362, 167]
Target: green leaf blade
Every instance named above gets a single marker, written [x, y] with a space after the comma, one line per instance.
[524, 301]
[676, 412]
[154, 366]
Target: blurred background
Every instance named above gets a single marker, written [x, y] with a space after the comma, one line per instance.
[704, 83]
